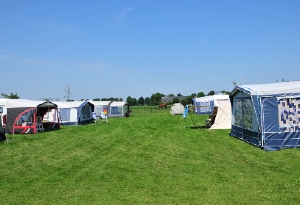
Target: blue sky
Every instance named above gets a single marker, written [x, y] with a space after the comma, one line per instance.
[121, 48]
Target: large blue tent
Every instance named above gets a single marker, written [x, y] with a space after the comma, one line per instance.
[267, 115]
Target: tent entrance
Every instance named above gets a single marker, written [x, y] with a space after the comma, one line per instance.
[211, 118]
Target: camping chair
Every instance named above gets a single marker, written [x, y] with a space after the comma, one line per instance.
[39, 124]
[103, 117]
[97, 119]
[26, 124]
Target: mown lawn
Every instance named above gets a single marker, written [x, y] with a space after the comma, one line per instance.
[148, 158]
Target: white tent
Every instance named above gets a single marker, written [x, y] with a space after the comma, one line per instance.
[177, 109]
[223, 117]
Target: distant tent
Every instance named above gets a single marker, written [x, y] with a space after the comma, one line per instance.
[205, 105]
[177, 109]
[220, 118]
[267, 115]
[100, 107]
[73, 113]
[119, 109]
[111, 108]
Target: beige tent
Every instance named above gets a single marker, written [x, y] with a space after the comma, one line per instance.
[220, 118]
[177, 109]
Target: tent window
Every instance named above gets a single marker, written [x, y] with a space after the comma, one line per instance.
[65, 114]
[238, 113]
[243, 113]
[289, 114]
[247, 112]
[205, 107]
[116, 110]
[26, 118]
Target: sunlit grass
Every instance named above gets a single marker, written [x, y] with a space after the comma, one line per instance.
[148, 158]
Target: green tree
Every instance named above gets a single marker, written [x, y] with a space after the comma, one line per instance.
[155, 99]
[189, 100]
[134, 101]
[11, 96]
[176, 100]
[225, 92]
[212, 92]
[184, 102]
[193, 95]
[200, 94]
[179, 94]
[96, 99]
[141, 101]
[129, 100]
[147, 101]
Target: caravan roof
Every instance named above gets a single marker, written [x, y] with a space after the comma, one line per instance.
[70, 104]
[100, 102]
[270, 89]
[14, 103]
[117, 103]
[209, 98]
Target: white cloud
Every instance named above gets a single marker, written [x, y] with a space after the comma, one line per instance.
[6, 58]
[124, 13]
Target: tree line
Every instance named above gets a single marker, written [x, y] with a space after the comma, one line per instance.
[156, 99]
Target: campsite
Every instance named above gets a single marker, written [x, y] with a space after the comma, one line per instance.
[148, 158]
[149, 102]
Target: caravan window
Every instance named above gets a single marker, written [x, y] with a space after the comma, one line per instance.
[243, 113]
[116, 110]
[247, 109]
[289, 114]
[238, 113]
[64, 114]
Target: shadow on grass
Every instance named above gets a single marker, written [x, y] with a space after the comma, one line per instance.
[197, 127]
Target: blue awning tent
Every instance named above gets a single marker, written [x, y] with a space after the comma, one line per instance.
[206, 104]
[267, 115]
[72, 113]
[112, 108]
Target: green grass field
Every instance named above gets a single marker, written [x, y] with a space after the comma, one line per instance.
[148, 158]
